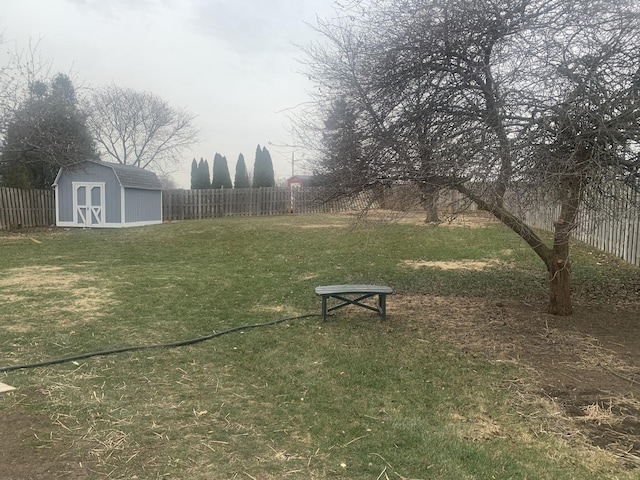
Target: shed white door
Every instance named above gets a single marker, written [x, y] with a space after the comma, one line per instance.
[88, 204]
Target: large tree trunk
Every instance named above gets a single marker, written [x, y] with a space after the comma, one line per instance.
[557, 261]
[559, 281]
[429, 200]
[557, 258]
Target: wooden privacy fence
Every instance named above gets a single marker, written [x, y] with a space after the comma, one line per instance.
[26, 208]
[197, 204]
[408, 197]
[207, 203]
[36, 208]
[613, 227]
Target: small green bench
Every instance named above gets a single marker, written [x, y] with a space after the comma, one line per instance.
[361, 292]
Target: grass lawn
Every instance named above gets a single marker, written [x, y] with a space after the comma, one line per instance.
[352, 398]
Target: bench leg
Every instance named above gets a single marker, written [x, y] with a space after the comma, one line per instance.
[382, 305]
[324, 308]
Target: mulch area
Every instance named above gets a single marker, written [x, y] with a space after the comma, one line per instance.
[30, 448]
[586, 365]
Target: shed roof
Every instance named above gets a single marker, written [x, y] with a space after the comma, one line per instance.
[132, 177]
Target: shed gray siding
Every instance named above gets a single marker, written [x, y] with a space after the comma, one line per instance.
[139, 190]
[142, 205]
[86, 173]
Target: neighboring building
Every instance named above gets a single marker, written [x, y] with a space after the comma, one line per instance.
[298, 181]
[101, 194]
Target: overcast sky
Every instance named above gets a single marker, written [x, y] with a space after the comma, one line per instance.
[233, 63]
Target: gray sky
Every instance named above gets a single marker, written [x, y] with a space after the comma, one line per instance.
[233, 63]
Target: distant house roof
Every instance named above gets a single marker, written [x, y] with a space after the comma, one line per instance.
[302, 178]
[132, 177]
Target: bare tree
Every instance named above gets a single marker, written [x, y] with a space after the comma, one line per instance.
[139, 128]
[537, 97]
[167, 181]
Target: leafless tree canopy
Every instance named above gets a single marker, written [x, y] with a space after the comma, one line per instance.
[487, 98]
[139, 128]
[496, 90]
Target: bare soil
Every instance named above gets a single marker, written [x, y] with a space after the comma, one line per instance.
[584, 369]
[458, 265]
[30, 449]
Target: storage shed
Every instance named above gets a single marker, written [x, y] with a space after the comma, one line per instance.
[102, 194]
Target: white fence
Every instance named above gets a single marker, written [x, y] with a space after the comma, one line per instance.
[613, 227]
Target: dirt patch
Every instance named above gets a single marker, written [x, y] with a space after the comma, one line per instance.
[69, 292]
[457, 265]
[308, 276]
[38, 277]
[33, 449]
[324, 225]
[584, 369]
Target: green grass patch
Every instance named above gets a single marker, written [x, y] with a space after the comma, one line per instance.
[351, 398]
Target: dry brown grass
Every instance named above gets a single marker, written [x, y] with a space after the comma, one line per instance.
[73, 296]
[453, 265]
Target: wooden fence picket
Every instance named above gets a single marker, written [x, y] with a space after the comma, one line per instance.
[26, 208]
[211, 203]
[615, 228]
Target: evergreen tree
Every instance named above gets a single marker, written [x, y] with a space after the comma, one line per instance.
[342, 161]
[194, 174]
[242, 176]
[203, 174]
[216, 161]
[263, 175]
[48, 131]
[258, 181]
[226, 176]
[206, 177]
[221, 176]
[268, 167]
